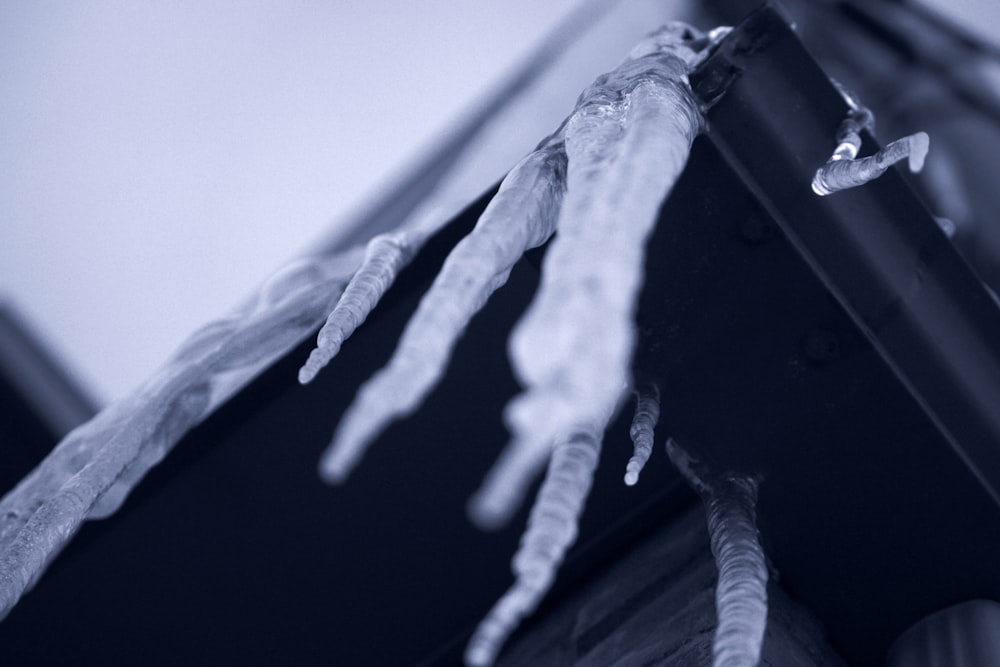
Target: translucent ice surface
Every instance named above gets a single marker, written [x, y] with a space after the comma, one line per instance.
[552, 529]
[89, 474]
[626, 144]
[647, 413]
[521, 216]
[595, 187]
[741, 591]
[597, 183]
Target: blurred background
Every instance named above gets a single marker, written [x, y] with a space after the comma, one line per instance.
[160, 159]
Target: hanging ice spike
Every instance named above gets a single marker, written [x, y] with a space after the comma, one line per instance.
[741, 591]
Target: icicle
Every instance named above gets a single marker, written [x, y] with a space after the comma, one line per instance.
[552, 529]
[647, 413]
[59, 516]
[464, 177]
[844, 171]
[741, 591]
[90, 473]
[385, 256]
[522, 215]
[627, 143]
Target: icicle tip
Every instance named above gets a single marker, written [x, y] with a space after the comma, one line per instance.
[642, 431]
[488, 512]
[335, 466]
[317, 360]
[920, 143]
[478, 656]
[506, 484]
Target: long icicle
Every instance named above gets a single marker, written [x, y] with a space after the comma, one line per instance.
[91, 471]
[627, 143]
[552, 529]
[647, 413]
[741, 591]
[521, 216]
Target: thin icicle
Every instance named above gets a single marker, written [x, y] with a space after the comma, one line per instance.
[552, 529]
[647, 413]
[521, 216]
[385, 257]
[843, 170]
[741, 591]
[627, 143]
[93, 469]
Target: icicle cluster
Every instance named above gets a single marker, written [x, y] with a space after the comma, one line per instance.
[741, 591]
[597, 183]
[615, 158]
[89, 474]
[573, 348]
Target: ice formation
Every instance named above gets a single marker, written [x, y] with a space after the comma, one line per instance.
[647, 413]
[552, 529]
[741, 590]
[573, 348]
[93, 469]
[598, 183]
[844, 170]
